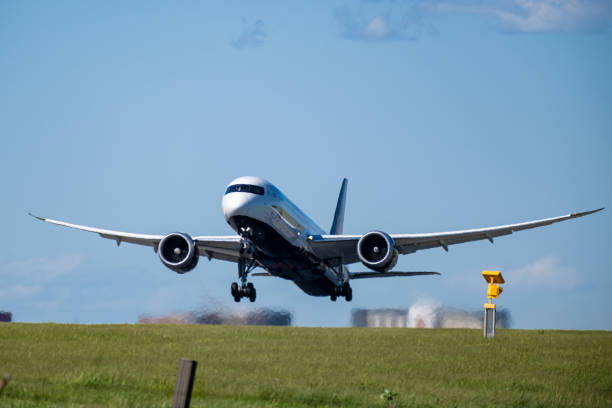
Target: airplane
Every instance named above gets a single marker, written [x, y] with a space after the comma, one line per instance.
[275, 235]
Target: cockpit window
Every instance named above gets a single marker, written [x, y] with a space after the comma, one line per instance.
[245, 188]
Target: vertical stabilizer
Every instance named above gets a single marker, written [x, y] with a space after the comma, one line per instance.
[338, 221]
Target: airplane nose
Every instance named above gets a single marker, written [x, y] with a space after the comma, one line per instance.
[237, 203]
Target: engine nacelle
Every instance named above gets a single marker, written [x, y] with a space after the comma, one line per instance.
[178, 252]
[377, 251]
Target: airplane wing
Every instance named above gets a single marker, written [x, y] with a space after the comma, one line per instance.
[225, 248]
[344, 247]
[219, 247]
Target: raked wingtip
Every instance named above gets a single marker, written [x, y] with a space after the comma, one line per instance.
[36, 216]
[582, 214]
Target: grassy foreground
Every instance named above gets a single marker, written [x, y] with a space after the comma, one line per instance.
[135, 365]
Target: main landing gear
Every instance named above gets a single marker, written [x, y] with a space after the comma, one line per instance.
[245, 265]
[247, 291]
[344, 290]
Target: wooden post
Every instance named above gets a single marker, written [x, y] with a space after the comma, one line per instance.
[4, 381]
[184, 383]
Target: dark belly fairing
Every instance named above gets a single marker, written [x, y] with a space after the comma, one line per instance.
[284, 260]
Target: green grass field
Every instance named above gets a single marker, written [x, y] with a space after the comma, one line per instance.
[136, 365]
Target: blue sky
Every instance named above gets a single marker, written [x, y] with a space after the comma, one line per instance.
[443, 114]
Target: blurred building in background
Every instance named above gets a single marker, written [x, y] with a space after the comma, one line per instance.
[426, 315]
[6, 317]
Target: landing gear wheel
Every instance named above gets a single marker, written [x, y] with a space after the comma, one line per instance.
[234, 289]
[345, 290]
[348, 294]
[252, 293]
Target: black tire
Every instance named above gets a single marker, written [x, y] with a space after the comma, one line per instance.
[250, 285]
[237, 299]
[234, 289]
[348, 294]
[333, 297]
[252, 293]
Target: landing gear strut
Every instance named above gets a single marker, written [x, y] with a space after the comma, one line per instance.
[245, 266]
[344, 290]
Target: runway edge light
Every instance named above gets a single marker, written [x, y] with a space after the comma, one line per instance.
[493, 278]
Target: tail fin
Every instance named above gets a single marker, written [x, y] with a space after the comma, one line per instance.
[338, 221]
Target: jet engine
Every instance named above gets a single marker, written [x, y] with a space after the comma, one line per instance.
[377, 251]
[178, 252]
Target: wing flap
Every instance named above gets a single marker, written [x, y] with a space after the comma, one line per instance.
[223, 248]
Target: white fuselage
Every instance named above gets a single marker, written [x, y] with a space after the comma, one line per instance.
[271, 208]
[259, 204]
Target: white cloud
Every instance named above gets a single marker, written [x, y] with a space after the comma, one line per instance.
[19, 291]
[531, 16]
[408, 19]
[546, 272]
[380, 23]
[377, 28]
[41, 269]
[252, 35]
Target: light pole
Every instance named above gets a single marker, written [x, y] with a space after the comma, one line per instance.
[493, 278]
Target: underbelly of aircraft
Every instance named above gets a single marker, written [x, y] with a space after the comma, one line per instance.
[280, 258]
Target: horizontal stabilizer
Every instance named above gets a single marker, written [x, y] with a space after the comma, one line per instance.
[364, 275]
